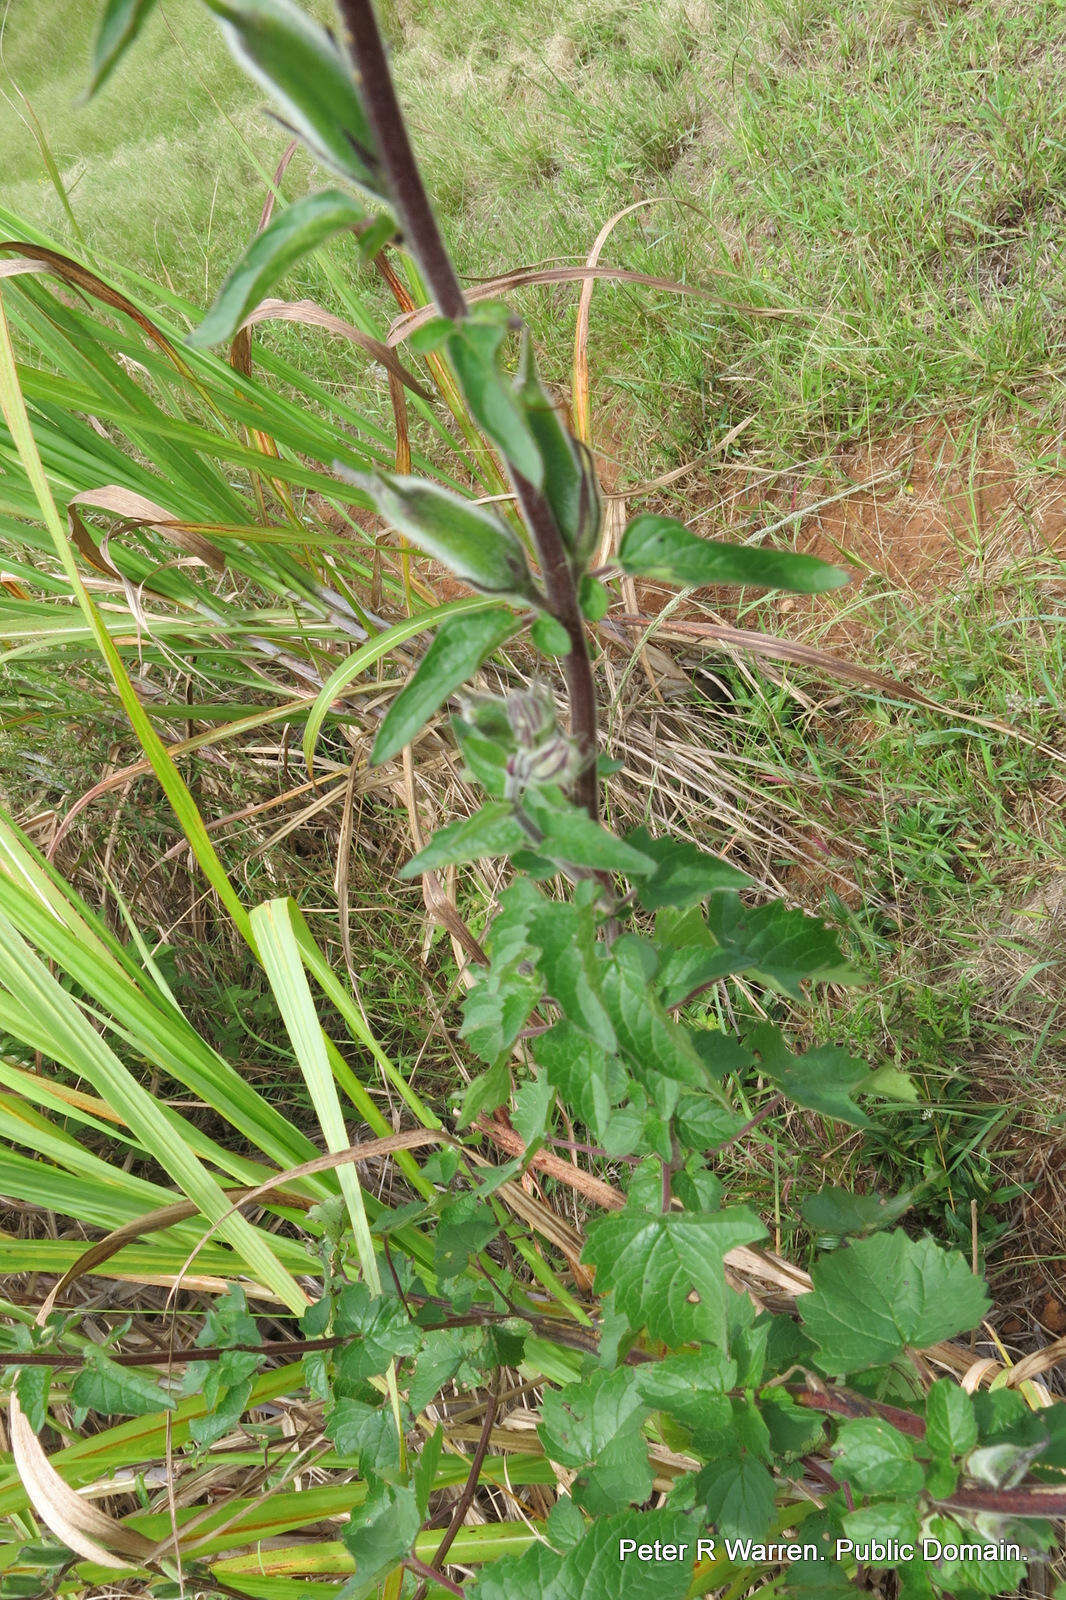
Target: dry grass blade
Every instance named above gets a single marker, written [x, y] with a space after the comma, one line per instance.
[308, 314]
[582, 414]
[772, 648]
[404, 326]
[137, 511]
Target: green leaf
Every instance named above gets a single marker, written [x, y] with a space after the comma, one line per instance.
[120, 23]
[492, 831]
[587, 1080]
[822, 1079]
[664, 549]
[474, 349]
[594, 599]
[605, 1564]
[292, 234]
[309, 81]
[595, 1426]
[738, 1495]
[468, 539]
[875, 1459]
[571, 835]
[881, 1523]
[950, 1424]
[874, 1298]
[460, 646]
[466, 1226]
[776, 944]
[692, 1387]
[367, 1433]
[684, 874]
[529, 1112]
[570, 484]
[497, 1007]
[654, 1263]
[379, 1329]
[114, 1391]
[485, 1092]
[793, 1430]
[32, 1386]
[839, 1213]
[564, 939]
[657, 1047]
[381, 1531]
[549, 636]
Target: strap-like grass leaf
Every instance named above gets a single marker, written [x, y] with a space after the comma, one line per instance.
[461, 644]
[120, 23]
[664, 549]
[308, 80]
[293, 233]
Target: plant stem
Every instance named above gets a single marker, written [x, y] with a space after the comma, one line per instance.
[423, 238]
[422, 235]
[561, 590]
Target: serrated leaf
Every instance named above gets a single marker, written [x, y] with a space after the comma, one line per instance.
[587, 1079]
[664, 549]
[656, 1264]
[570, 834]
[492, 831]
[876, 1459]
[597, 1567]
[563, 935]
[460, 646]
[367, 1433]
[595, 1427]
[874, 1298]
[381, 1531]
[485, 1092]
[32, 1386]
[309, 81]
[466, 1226]
[738, 1496]
[379, 1331]
[444, 1352]
[774, 943]
[656, 1046]
[114, 1391]
[470, 540]
[793, 1430]
[822, 1079]
[683, 874]
[120, 23]
[839, 1213]
[496, 1009]
[531, 1103]
[296, 230]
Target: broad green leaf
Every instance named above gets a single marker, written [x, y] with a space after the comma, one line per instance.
[460, 646]
[657, 1047]
[32, 1386]
[950, 1424]
[569, 834]
[292, 234]
[875, 1458]
[367, 656]
[380, 1533]
[874, 1298]
[883, 1522]
[309, 81]
[588, 1080]
[822, 1079]
[492, 831]
[839, 1213]
[692, 1387]
[468, 539]
[379, 1331]
[684, 874]
[738, 1496]
[777, 944]
[466, 1226]
[497, 1007]
[120, 23]
[662, 548]
[114, 1391]
[595, 1427]
[654, 1263]
[368, 1433]
[605, 1564]
[567, 956]
[549, 636]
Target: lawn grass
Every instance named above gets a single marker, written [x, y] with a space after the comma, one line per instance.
[875, 194]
